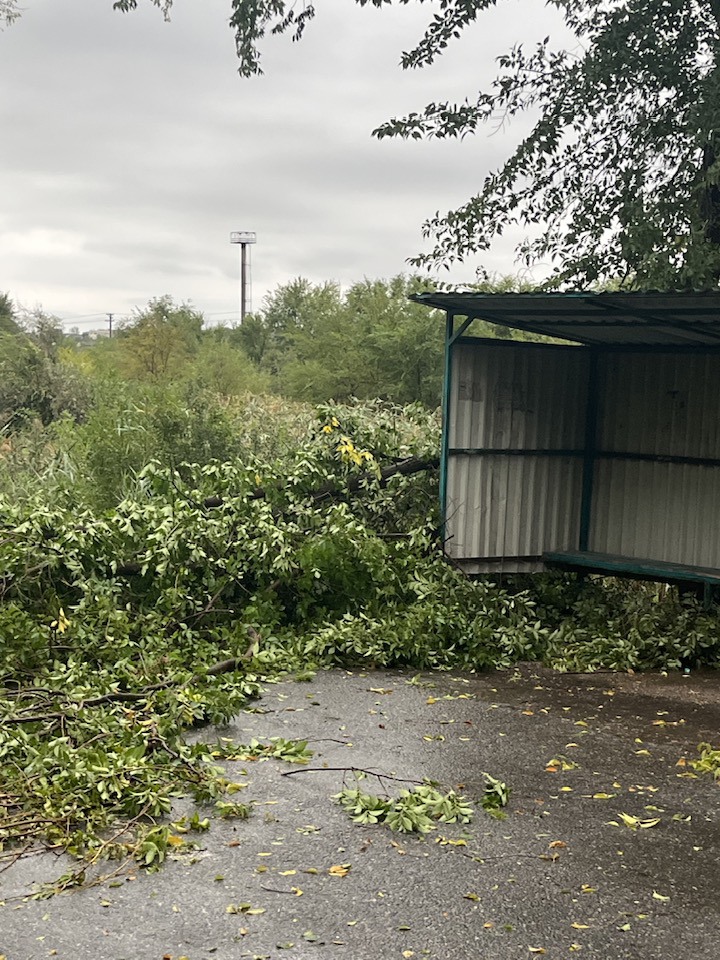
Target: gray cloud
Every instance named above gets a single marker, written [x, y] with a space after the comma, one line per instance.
[132, 149]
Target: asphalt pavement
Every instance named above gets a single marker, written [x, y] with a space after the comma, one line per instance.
[608, 849]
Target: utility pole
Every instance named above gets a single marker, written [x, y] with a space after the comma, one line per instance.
[244, 238]
[110, 320]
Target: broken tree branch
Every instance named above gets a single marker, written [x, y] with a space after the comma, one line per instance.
[125, 696]
[404, 468]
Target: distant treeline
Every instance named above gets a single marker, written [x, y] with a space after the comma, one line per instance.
[309, 342]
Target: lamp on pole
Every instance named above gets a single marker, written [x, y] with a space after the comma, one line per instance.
[244, 238]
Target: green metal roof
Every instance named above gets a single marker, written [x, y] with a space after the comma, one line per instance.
[608, 319]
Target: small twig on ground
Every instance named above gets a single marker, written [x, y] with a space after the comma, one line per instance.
[356, 770]
[14, 857]
[345, 743]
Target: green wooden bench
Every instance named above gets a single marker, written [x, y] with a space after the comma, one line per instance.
[706, 579]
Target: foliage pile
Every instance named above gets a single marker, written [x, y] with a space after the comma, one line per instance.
[419, 808]
[709, 760]
[602, 623]
[416, 810]
[121, 628]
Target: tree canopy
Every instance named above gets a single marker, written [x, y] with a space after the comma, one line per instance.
[8, 11]
[161, 338]
[619, 176]
[315, 342]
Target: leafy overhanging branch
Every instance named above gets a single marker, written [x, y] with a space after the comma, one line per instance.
[618, 178]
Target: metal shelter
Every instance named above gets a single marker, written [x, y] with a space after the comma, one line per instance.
[601, 453]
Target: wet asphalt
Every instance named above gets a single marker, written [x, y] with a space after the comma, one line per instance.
[561, 875]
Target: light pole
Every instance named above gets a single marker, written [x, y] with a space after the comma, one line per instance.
[244, 238]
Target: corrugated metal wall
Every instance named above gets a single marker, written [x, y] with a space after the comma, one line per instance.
[505, 509]
[664, 405]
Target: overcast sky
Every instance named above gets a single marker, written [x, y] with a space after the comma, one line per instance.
[131, 148]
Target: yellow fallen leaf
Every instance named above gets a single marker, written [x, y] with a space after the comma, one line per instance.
[408, 953]
[339, 870]
[580, 926]
[635, 822]
[537, 949]
[297, 891]
[659, 896]
[287, 873]
[471, 896]
[556, 844]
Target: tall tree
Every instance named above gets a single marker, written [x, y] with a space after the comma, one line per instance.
[294, 308]
[159, 340]
[620, 173]
[45, 330]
